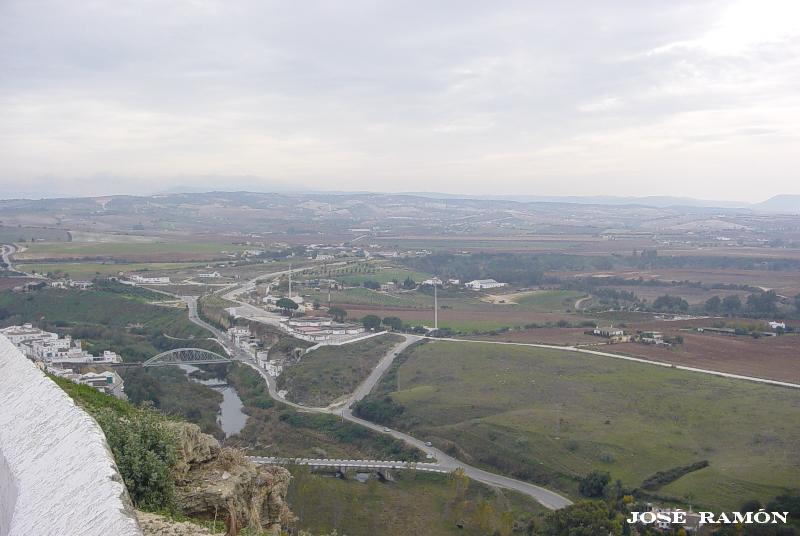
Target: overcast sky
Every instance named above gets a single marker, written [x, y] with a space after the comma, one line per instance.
[688, 98]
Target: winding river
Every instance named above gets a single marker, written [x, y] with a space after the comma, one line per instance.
[230, 418]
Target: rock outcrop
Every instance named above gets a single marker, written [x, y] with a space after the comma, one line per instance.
[156, 525]
[219, 483]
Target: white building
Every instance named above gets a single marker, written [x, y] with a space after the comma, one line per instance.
[777, 325]
[325, 257]
[481, 284]
[26, 332]
[150, 280]
[108, 382]
[210, 275]
[434, 282]
[454, 281]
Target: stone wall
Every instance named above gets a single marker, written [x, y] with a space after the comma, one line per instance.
[57, 475]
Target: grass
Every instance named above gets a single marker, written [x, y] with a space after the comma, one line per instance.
[552, 416]
[327, 373]
[548, 301]
[414, 503]
[88, 270]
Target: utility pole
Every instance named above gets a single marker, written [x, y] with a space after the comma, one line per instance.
[435, 308]
[290, 281]
[330, 285]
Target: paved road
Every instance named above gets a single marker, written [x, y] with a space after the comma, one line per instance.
[547, 498]
[7, 251]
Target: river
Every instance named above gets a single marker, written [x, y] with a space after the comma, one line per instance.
[230, 418]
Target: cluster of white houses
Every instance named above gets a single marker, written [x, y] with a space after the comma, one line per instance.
[56, 353]
[48, 347]
[242, 338]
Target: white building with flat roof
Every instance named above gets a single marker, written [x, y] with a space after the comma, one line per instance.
[150, 280]
[482, 284]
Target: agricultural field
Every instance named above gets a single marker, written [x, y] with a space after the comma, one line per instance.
[21, 234]
[549, 301]
[414, 503]
[127, 251]
[468, 319]
[552, 416]
[327, 373]
[89, 270]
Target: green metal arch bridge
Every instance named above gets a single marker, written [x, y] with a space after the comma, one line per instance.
[186, 356]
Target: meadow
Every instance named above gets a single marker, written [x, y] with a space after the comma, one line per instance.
[552, 416]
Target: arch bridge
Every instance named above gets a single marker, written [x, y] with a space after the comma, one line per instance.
[186, 356]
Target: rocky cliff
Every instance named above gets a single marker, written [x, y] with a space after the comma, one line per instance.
[219, 483]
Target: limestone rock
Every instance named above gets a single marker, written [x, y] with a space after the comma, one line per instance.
[220, 483]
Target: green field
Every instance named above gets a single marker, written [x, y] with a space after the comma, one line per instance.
[88, 270]
[547, 301]
[415, 503]
[365, 296]
[357, 273]
[327, 373]
[551, 416]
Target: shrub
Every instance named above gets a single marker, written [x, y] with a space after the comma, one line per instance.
[594, 484]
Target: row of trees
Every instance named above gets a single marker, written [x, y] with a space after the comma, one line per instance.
[756, 304]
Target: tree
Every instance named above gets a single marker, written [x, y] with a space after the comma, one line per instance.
[670, 303]
[594, 484]
[373, 285]
[286, 304]
[731, 304]
[797, 302]
[713, 304]
[371, 322]
[585, 518]
[393, 322]
[409, 283]
[337, 313]
[763, 303]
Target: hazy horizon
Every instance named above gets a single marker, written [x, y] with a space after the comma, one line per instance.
[686, 99]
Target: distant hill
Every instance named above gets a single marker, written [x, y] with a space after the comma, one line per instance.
[786, 203]
[648, 201]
